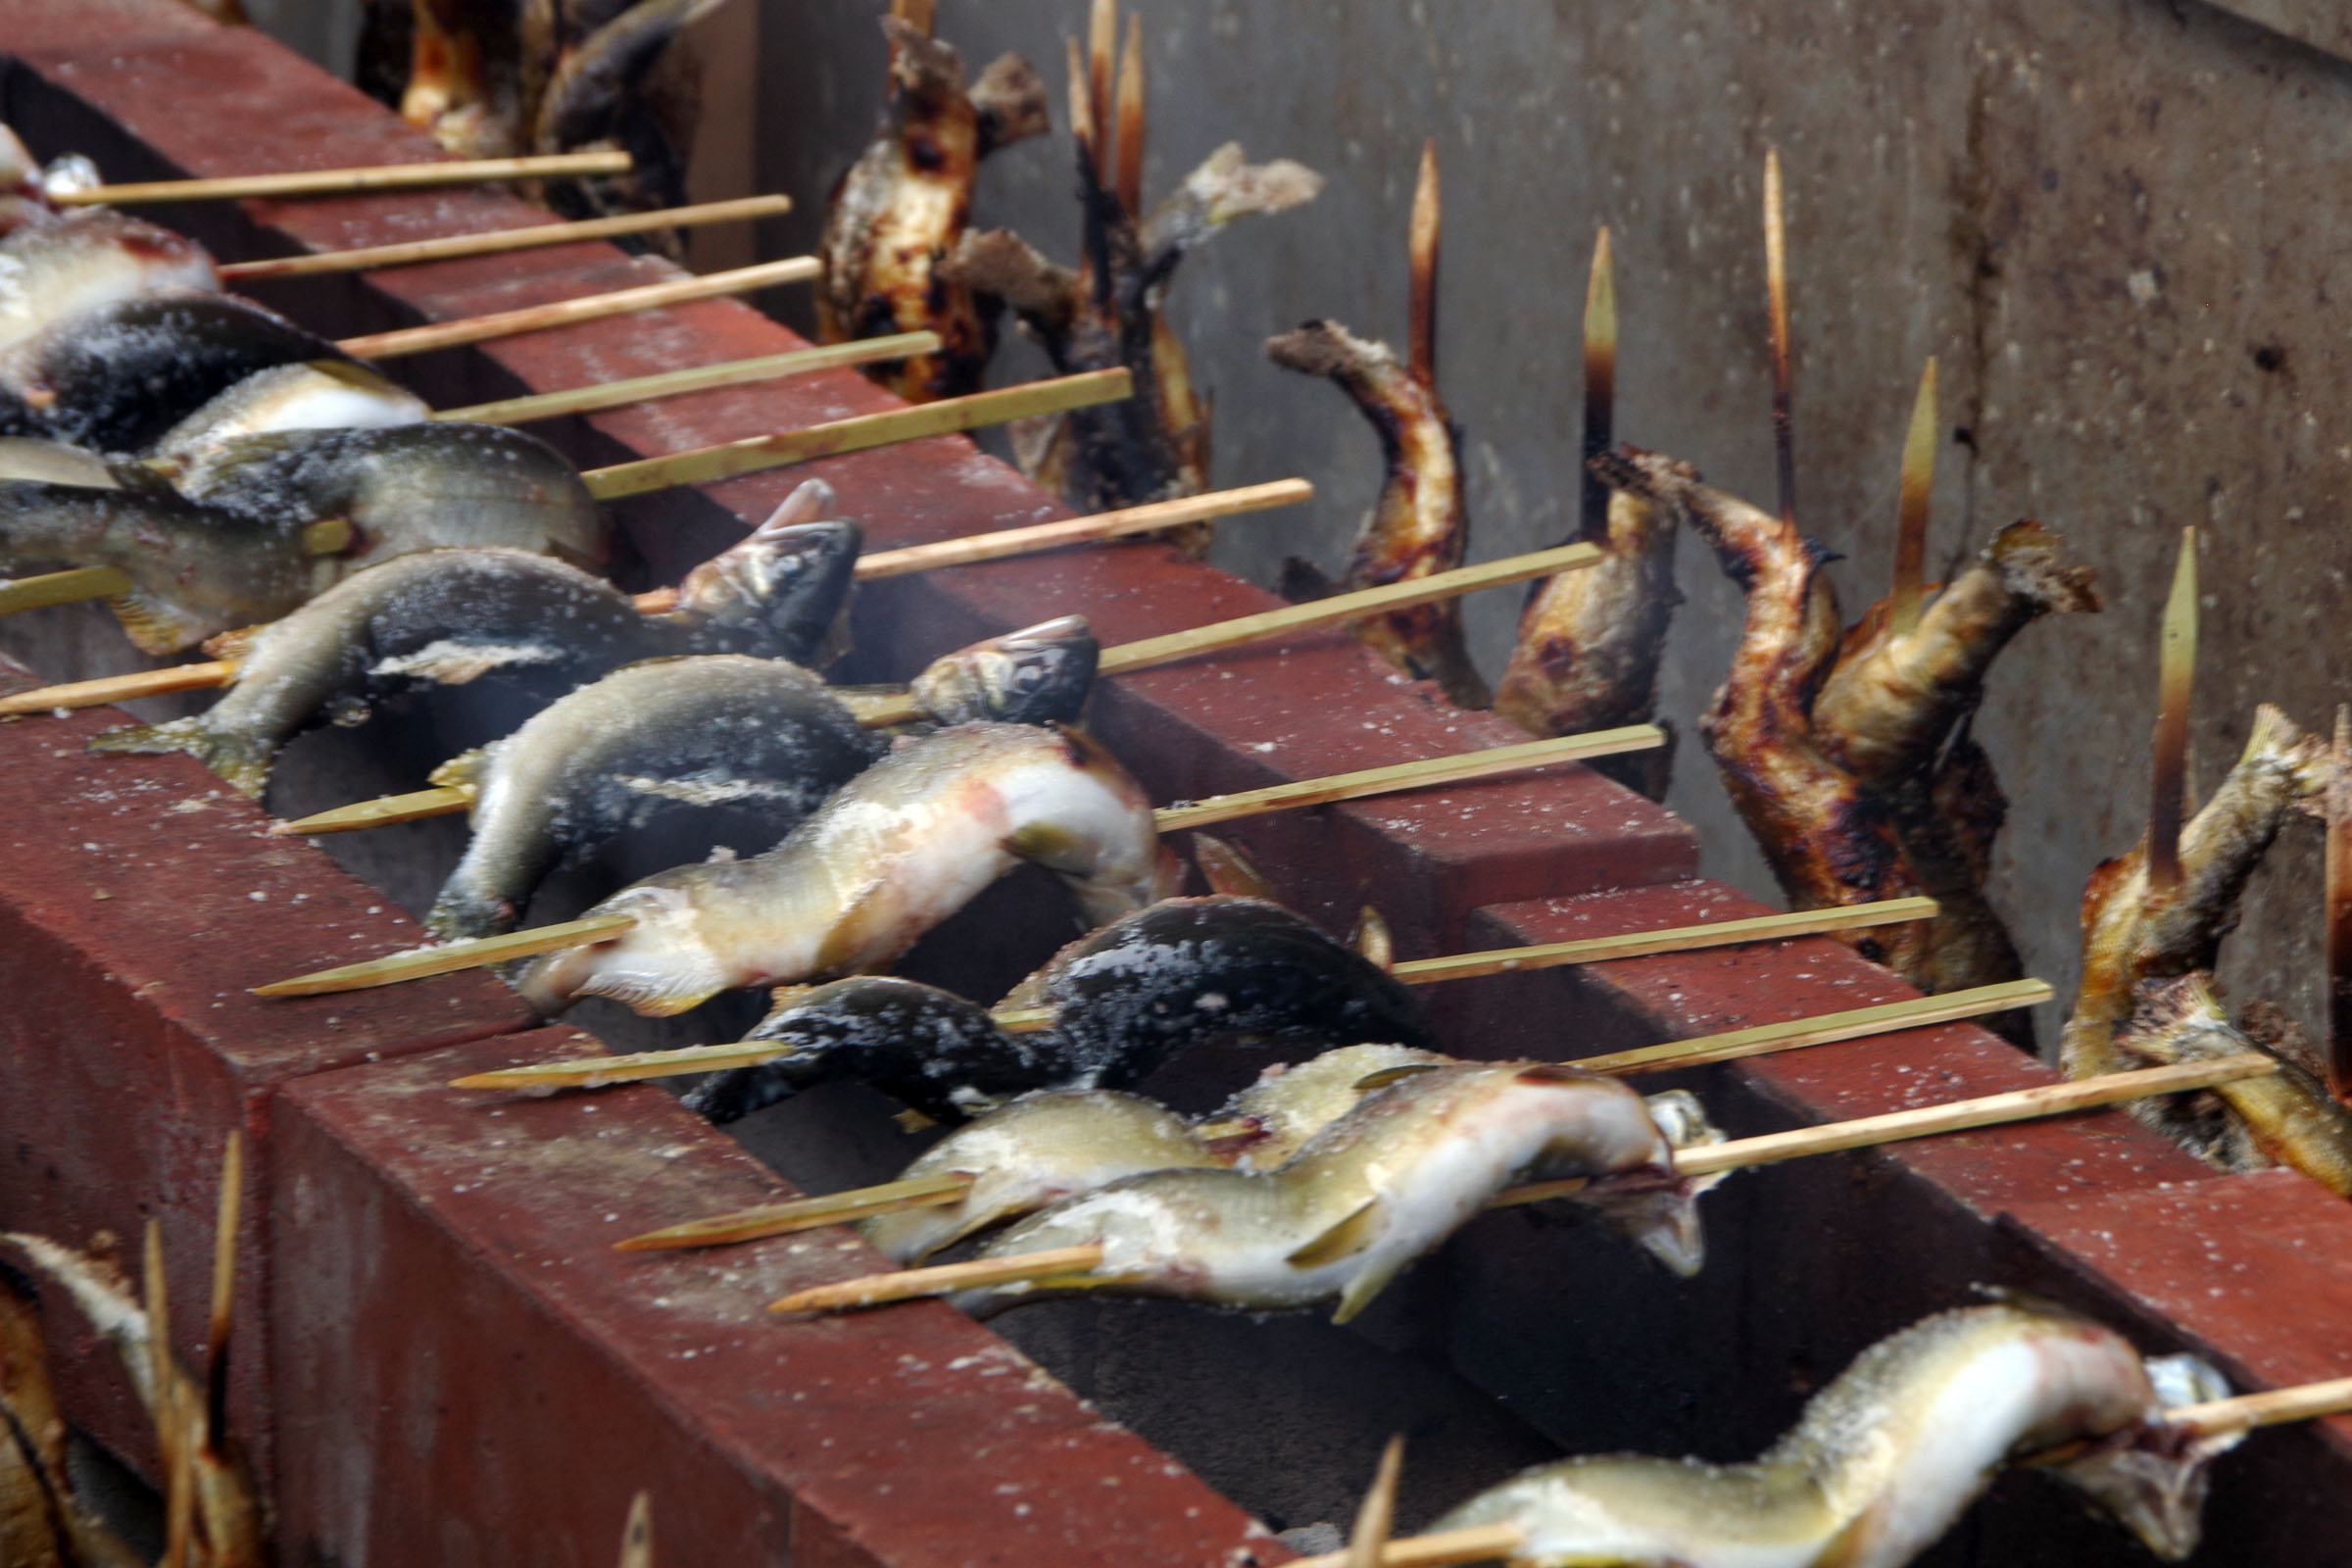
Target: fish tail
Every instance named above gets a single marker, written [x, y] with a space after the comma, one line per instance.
[243, 761]
[465, 911]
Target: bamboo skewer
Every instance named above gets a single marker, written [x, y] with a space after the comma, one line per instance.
[1776, 292]
[592, 1072]
[348, 182]
[803, 1214]
[63, 588]
[407, 340]
[1438, 1550]
[1822, 1029]
[2303, 1401]
[694, 378]
[1911, 509]
[943, 417]
[1376, 1517]
[2338, 903]
[1303, 792]
[1421, 252]
[2169, 768]
[1600, 387]
[1964, 1115]
[498, 241]
[974, 548]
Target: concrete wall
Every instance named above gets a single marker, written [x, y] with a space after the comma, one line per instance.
[2114, 220]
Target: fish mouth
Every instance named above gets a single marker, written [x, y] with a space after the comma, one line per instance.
[2152, 1476]
[1039, 674]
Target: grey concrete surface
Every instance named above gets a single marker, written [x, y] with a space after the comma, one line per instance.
[2122, 225]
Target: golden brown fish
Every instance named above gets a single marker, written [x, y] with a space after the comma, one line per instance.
[905, 205]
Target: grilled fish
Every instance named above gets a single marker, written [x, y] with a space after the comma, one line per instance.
[1886, 1457]
[450, 616]
[1419, 525]
[2130, 936]
[317, 395]
[2289, 1119]
[118, 376]
[906, 204]
[760, 739]
[1110, 312]
[50, 272]
[900, 848]
[1849, 754]
[1590, 642]
[1370, 1193]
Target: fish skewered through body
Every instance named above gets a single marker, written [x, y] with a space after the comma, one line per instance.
[450, 616]
[91, 259]
[905, 205]
[1591, 642]
[760, 740]
[1419, 525]
[1110, 310]
[1847, 754]
[902, 846]
[1126, 999]
[2135, 938]
[1368, 1195]
[1886, 1457]
[231, 549]
[118, 376]
[314, 395]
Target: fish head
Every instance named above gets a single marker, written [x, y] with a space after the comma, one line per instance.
[2152, 1475]
[1039, 674]
[782, 589]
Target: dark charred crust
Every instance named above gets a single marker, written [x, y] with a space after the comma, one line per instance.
[1011, 101]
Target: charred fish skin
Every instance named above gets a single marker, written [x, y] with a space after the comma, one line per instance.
[899, 849]
[1886, 1457]
[408, 487]
[2129, 936]
[708, 731]
[194, 569]
[930, 1049]
[1419, 525]
[629, 84]
[904, 204]
[50, 272]
[1035, 1152]
[1590, 643]
[1146, 988]
[120, 375]
[1367, 1195]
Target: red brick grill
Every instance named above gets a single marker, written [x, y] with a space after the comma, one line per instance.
[439, 1359]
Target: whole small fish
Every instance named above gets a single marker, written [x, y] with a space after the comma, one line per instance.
[1888, 1457]
[898, 850]
[315, 395]
[904, 204]
[1363, 1198]
[761, 739]
[450, 616]
[116, 376]
[52, 270]
[1420, 525]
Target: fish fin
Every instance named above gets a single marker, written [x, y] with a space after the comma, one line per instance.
[154, 626]
[1396, 1075]
[1348, 1238]
[454, 661]
[232, 647]
[654, 996]
[854, 933]
[462, 772]
[1227, 869]
[1366, 1285]
[243, 764]
[1373, 941]
[913, 1121]
[1052, 846]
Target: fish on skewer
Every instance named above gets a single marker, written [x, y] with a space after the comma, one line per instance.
[1848, 753]
[1110, 310]
[900, 848]
[234, 545]
[1421, 523]
[312, 395]
[451, 616]
[1363, 1198]
[905, 205]
[50, 272]
[761, 741]
[1886, 1458]
[1125, 1000]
